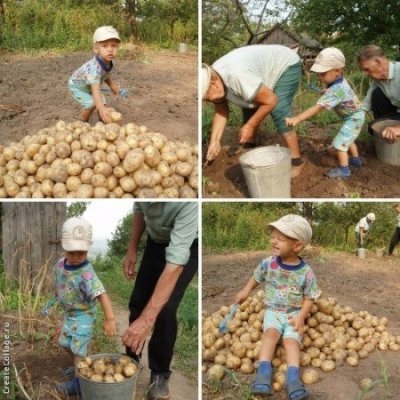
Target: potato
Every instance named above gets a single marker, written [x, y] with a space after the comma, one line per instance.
[98, 180]
[187, 192]
[184, 168]
[103, 168]
[73, 183]
[83, 157]
[113, 159]
[365, 384]
[152, 156]
[133, 160]
[63, 150]
[60, 190]
[310, 376]
[84, 191]
[96, 378]
[328, 365]
[129, 370]
[88, 142]
[216, 372]
[143, 178]
[128, 184]
[73, 169]
[86, 175]
[99, 156]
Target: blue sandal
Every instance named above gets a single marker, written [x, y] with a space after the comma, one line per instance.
[296, 390]
[262, 385]
[70, 388]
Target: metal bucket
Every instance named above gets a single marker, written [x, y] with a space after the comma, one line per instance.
[386, 152]
[124, 390]
[267, 171]
[182, 48]
[361, 253]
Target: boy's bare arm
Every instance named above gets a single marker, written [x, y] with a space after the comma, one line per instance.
[307, 114]
[299, 319]
[245, 292]
[98, 101]
[109, 318]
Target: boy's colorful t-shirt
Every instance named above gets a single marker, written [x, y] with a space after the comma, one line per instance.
[286, 286]
[77, 287]
[89, 73]
[340, 97]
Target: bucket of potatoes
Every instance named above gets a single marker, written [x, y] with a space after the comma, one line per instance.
[107, 377]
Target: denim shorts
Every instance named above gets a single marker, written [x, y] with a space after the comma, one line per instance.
[84, 98]
[280, 322]
[349, 131]
[77, 331]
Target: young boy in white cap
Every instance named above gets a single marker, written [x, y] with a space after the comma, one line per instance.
[340, 97]
[77, 290]
[290, 290]
[85, 83]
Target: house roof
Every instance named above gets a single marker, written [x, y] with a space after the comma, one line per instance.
[302, 38]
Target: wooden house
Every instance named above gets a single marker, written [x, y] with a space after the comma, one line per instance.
[306, 47]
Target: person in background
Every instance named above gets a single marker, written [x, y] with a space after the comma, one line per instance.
[340, 97]
[290, 291]
[363, 227]
[396, 234]
[383, 96]
[262, 80]
[169, 262]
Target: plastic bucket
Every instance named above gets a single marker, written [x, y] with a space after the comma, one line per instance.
[386, 152]
[361, 253]
[124, 390]
[267, 171]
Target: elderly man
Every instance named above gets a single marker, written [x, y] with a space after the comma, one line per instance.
[262, 80]
[169, 262]
[383, 97]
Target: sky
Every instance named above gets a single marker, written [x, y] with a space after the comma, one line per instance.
[104, 215]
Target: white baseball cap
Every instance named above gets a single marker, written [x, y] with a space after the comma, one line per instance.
[76, 235]
[105, 33]
[295, 227]
[371, 216]
[328, 59]
[206, 73]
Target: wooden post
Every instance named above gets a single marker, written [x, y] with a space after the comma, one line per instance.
[32, 238]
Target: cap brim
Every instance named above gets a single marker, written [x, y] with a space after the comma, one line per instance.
[320, 68]
[75, 245]
[283, 228]
[205, 80]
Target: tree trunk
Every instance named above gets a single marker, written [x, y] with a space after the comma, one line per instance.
[32, 239]
[130, 9]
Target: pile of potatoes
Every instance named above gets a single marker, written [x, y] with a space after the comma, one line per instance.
[333, 335]
[107, 369]
[77, 160]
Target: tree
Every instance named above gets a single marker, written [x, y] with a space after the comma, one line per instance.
[76, 209]
[118, 244]
[358, 22]
[130, 10]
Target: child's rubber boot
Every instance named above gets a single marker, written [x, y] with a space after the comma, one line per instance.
[340, 172]
[295, 389]
[262, 384]
[355, 162]
[70, 388]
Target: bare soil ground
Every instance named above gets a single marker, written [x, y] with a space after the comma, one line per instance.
[162, 89]
[41, 362]
[223, 178]
[370, 284]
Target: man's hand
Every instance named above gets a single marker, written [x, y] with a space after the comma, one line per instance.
[135, 336]
[129, 266]
[391, 133]
[246, 133]
[213, 150]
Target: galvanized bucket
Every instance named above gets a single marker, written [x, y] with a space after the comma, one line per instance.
[386, 152]
[267, 171]
[361, 253]
[124, 390]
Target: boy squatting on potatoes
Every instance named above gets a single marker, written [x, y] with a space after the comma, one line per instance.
[340, 97]
[77, 290]
[290, 290]
[85, 83]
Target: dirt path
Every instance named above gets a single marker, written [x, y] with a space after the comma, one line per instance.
[162, 89]
[180, 387]
[372, 284]
[224, 177]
